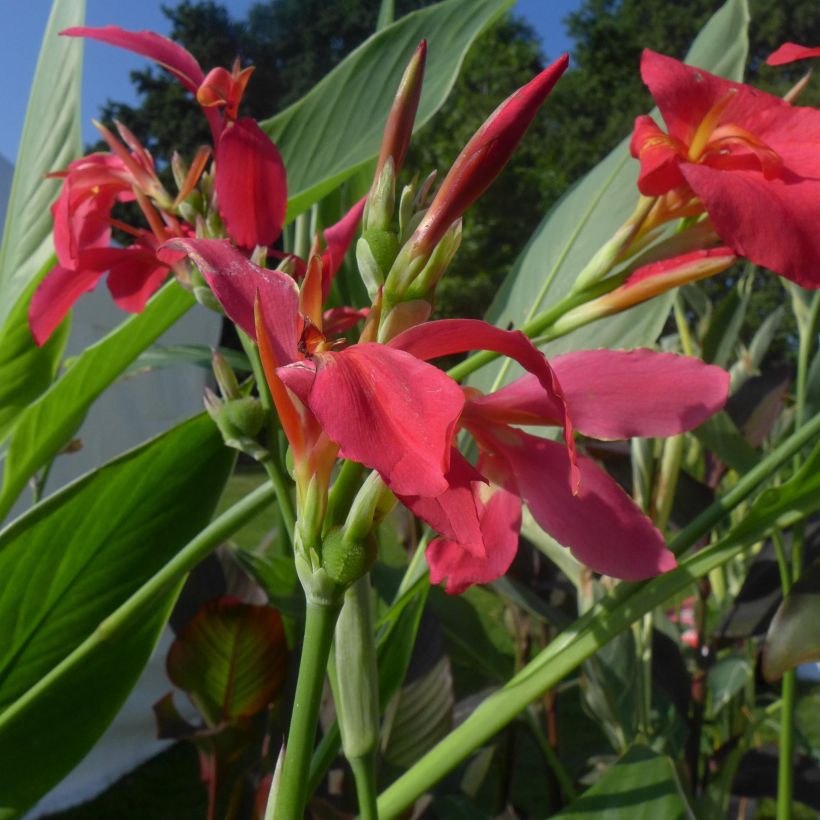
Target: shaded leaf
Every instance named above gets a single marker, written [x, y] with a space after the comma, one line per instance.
[723, 332]
[794, 633]
[67, 564]
[231, 659]
[726, 679]
[337, 126]
[720, 436]
[757, 777]
[642, 785]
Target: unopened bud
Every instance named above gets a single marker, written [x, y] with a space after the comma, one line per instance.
[424, 285]
[240, 421]
[225, 377]
[179, 169]
[382, 200]
[483, 157]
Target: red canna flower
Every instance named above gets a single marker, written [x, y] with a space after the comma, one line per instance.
[607, 395]
[751, 161]
[251, 183]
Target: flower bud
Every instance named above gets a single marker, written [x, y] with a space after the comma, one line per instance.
[483, 157]
[225, 377]
[382, 200]
[240, 421]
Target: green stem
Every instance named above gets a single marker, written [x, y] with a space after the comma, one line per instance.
[785, 760]
[344, 490]
[320, 621]
[602, 622]
[122, 618]
[364, 773]
[281, 486]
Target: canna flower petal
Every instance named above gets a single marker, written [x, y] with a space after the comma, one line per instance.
[790, 53]
[448, 336]
[386, 410]
[338, 238]
[500, 518]
[54, 298]
[616, 394]
[134, 274]
[455, 513]
[251, 185]
[235, 281]
[751, 159]
[600, 525]
[170, 55]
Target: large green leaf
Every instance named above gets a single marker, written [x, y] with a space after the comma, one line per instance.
[26, 371]
[67, 564]
[338, 125]
[642, 785]
[47, 425]
[587, 216]
[50, 140]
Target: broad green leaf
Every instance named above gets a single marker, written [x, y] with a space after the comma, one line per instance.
[720, 435]
[47, 425]
[794, 633]
[587, 216]
[337, 126]
[67, 564]
[231, 659]
[725, 679]
[642, 785]
[50, 140]
[159, 356]
[26, 371]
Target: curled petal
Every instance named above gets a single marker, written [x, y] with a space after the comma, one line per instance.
[134, 277]
[500, 522]
[449, 336]
[251, 185]
[455, 513]
[600, 525]
[235, 281]
[387, 410]
[615, 394]
[170, 55]
[659, 155]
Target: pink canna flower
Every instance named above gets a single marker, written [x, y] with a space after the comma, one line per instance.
[606, 394]
[749, 160]
[251, 183]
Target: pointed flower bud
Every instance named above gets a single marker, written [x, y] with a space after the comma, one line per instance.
[225, 377]
[382, 200]
[484, 156]
[399, 127]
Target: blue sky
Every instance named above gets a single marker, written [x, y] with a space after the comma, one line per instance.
[106, 69]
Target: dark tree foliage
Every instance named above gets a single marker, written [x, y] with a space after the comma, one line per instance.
[294, 43]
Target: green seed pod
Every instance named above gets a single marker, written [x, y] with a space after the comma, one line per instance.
[384, 245]
[346, 561]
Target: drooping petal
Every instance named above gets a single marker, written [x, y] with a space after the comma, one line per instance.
[235, 280]
[338, 238]
[170, 55]
[134, 275]
[500, 523]
[449, 336]
[771, 222]
[600, 525]
[251, 185]
[616, 394]
[387, 410]
[790, 53]
[454, 513]
[54, 298]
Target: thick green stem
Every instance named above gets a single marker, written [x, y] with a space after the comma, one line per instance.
[364, 773]
[281, 487]
[320, 621]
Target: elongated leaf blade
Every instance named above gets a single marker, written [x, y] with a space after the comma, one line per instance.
[338, 125]
[50, 140]
[46, 426]
[587, 216]
[67, 564]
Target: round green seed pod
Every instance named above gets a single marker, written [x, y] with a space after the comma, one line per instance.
[346, 561]
[243, 417]
[384, 245]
